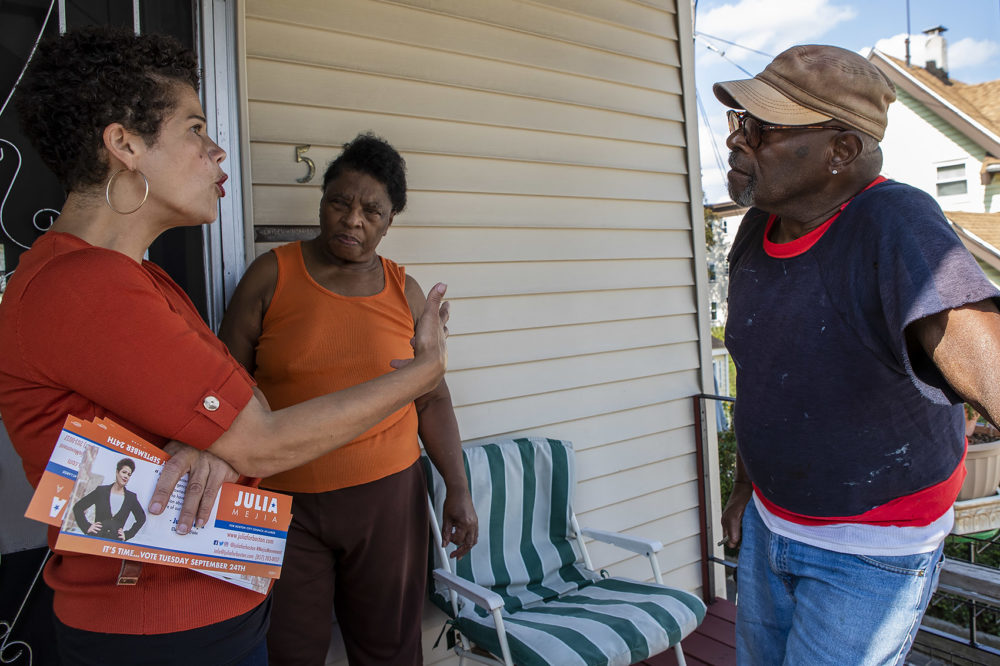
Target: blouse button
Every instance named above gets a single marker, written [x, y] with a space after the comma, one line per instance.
[211, 403]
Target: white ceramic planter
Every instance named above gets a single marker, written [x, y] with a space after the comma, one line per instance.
[982, 463]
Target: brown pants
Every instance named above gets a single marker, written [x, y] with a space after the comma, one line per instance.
[373, 540]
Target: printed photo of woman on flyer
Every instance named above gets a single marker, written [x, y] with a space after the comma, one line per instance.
[113, 504]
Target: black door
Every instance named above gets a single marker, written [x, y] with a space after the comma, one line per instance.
[31, 195]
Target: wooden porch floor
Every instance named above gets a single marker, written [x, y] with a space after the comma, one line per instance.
[712, 644]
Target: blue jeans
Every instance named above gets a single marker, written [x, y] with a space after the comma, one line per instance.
[799, 604]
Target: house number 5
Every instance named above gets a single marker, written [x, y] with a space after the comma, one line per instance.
[299, 152]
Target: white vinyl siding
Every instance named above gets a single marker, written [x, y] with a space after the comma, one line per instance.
[941, 146]
[549, 186]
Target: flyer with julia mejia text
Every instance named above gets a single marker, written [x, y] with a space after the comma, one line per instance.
[99, 481]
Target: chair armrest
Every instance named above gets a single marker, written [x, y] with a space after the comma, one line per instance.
[479, 595]
[630, 543]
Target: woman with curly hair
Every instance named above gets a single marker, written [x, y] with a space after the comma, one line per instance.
[312, 317]
[91, 329]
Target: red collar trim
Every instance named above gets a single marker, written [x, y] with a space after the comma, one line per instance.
[804, 243]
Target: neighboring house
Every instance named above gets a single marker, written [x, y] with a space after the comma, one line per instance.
[944, 137]
[553, 170]
[981, 234]
[725, 218]
[718, 267]
[720, 369]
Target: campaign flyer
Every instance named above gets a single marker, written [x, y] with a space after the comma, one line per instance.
[101, 477]
[48, 504]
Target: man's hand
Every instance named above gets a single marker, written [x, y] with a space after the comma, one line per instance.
[206, 474]
[732, 515]
[460, 525]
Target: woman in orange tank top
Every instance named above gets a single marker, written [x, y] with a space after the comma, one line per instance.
[313, 317]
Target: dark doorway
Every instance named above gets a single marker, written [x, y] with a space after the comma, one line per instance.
[32, 197]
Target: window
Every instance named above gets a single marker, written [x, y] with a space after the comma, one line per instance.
[951, 180]
[711, 272]
[715, 311]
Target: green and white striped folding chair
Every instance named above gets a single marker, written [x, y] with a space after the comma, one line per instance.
[527, 592]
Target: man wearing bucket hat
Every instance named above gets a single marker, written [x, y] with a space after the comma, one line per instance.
[858, 324]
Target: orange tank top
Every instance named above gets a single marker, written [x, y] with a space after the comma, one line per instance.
[313, 342]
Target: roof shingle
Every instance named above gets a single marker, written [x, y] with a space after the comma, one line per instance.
[984, 225]
[980, 101]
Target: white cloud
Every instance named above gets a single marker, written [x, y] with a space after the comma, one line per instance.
[971, 52]
[896, 47]
[966, 52]
[772, 25]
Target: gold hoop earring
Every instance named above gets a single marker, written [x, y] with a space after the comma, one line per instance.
[107, 192]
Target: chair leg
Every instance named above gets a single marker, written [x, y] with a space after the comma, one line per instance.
[655, 564]
[680, 655]
[502, 637]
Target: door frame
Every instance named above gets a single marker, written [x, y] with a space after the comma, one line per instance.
[225, 243]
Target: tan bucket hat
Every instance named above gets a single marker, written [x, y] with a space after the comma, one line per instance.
[814, 83]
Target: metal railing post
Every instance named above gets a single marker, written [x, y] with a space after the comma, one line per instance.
[707, 592]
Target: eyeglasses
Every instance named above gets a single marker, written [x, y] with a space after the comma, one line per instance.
[753, 128]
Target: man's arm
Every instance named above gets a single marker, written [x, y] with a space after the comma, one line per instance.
[964, 344]
[732, 514]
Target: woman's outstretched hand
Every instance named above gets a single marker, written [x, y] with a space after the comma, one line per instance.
[206, 473]
[429, 348]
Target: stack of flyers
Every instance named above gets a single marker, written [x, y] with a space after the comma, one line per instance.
[99, 481]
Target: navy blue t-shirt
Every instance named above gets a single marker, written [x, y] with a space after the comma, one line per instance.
[835, 416]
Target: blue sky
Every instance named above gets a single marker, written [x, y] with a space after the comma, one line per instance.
[770, 26]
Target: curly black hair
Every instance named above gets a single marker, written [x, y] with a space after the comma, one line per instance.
[125, 462]
[80, 82]
[374, 156]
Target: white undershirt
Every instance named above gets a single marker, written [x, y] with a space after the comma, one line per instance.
[862, 539]
[116, 502]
